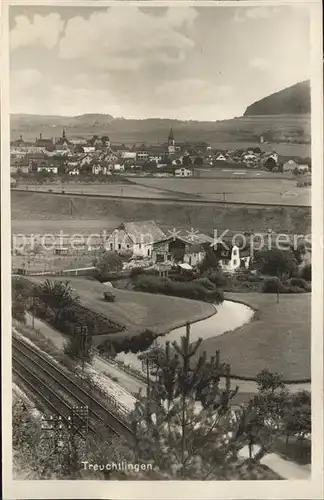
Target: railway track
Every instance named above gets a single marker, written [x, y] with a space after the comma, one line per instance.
[59, 392]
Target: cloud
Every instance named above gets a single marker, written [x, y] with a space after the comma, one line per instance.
[26, 77]
[178, 92]
[257, 13]
[260, 63]
[42, 30]
[127, 38]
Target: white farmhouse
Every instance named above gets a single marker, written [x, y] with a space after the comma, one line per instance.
[137, 237]
[183, 172]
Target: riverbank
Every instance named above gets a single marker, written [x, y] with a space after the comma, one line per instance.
[137, 311]
[277, 338]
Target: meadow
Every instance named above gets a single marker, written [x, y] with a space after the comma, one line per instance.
[137, 311]
[36, 211]
[232, 190]
[279, 337]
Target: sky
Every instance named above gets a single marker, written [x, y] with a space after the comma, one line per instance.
[181, 62]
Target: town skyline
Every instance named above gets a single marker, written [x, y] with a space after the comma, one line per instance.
[154, 62]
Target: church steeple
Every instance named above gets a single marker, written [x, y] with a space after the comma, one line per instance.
[171, 142]
[64, 134]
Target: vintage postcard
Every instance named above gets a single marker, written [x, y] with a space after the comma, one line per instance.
[162, 195]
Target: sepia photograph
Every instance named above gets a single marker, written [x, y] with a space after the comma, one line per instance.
[161, 168]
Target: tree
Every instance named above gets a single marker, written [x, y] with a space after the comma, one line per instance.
[298, 416]
[262, 419]
[21, 291]
[280, 263]
[306, 272]
[76, 347]
[185, 423]
[59, 297]
[109, 262]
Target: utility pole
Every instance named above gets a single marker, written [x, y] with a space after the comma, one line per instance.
[33, 305]
[147, 365]
[82, 331]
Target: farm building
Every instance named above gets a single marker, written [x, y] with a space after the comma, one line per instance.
[289, 166]
[189, 250]
[136, 237]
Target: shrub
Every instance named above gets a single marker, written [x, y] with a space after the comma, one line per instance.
[216, 277]
[295, 285]
[205, 282]
[136, 271]
[134, 344]
[306, 272]
[109, 297]
[299, 282]
[272, 285]
[196, 289]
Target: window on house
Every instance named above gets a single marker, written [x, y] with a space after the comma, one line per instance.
[148, 252]
[111, 246]
[119, 246]
[159, 257]
[139, 246]
[234, 252]
[235, 262]
[127, 246]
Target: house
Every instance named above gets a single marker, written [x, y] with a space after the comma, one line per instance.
[289, 166]
[136, 237]
[232, 256]
[86, 160]
[142, 155]
[74, 171]
[127, 154]
[22, 168]
[87, 149]
[48, 168]
[188, 249]
[221, 157]
[302, 169]
[183, 172]
[118, 167]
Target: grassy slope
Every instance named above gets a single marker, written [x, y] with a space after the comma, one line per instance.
[138, 311]
[37, 206]
[151, 131]
[277, 339]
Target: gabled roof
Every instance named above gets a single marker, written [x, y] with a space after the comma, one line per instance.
[143, 232]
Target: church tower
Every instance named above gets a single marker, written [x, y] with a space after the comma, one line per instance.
[171, 142]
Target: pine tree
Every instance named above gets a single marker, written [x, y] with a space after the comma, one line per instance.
[185, 425]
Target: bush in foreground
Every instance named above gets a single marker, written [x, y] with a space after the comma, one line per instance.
[198, 289]
[294, 285]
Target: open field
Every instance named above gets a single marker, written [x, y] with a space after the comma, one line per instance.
[67, 225]
[60, 211]
[123, 190]
[278, 338]
[242, 190]
[136, 310]
[276, 191]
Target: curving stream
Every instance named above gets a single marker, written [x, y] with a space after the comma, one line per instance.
[229, 316]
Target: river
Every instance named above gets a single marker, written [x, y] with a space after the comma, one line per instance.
[229, 315]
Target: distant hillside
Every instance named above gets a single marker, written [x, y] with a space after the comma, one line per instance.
[292, 100]
[283, 117]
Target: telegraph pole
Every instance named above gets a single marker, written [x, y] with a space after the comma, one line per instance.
[82, 331]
